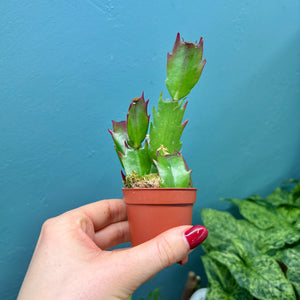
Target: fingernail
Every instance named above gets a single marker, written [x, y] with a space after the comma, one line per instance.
[196, 235]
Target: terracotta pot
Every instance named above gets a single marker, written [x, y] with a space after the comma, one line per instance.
[152, 211]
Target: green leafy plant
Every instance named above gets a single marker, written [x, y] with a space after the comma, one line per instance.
[258, 256]
[154, 160]
[155, 295]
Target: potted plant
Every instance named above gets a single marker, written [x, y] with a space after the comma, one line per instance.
[158, 189]
[256, 256]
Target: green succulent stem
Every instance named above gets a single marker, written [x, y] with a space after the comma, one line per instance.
[173, 171]
[137, 122]
[184, 67]
[167, 127]
[136, 160]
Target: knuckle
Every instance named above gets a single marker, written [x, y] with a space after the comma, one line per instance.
[166, 252]
[107, 210]
[123, 233]
[112, 211]
[48, 227]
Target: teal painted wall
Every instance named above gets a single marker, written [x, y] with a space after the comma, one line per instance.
[68, 67]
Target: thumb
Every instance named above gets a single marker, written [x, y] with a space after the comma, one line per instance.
[164, 250]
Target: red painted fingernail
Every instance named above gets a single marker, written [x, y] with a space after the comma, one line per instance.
[196, 235]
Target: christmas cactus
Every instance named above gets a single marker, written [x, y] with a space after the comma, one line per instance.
[153, 160]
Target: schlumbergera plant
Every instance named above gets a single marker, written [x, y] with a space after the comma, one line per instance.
[153, 160]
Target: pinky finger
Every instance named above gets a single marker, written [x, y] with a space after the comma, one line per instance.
[112, 235]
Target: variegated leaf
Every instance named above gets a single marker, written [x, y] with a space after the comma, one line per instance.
[259, 274]
[291, 258]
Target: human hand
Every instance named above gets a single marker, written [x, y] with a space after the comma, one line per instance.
[71, 260]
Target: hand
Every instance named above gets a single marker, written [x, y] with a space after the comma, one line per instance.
[71, 262]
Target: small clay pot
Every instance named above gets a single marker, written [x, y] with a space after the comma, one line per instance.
[153, 211]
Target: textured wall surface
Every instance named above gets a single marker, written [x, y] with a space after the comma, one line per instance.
[68, 67]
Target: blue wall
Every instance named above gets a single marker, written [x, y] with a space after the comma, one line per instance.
[68, 67]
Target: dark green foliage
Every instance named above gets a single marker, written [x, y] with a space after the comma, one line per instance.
[223, 284]
[153, 295]
[291, 258]
[260, 254]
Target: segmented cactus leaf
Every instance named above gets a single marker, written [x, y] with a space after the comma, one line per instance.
[184, 67]
[173, 171]
[136, 160]
[119, 135]
[137, 122]
[167, 127]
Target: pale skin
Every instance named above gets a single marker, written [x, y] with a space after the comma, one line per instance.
[72, 260]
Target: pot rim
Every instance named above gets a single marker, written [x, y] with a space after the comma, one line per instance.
[159, 189]
[159, 196]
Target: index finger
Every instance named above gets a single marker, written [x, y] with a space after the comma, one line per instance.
[105, 212]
